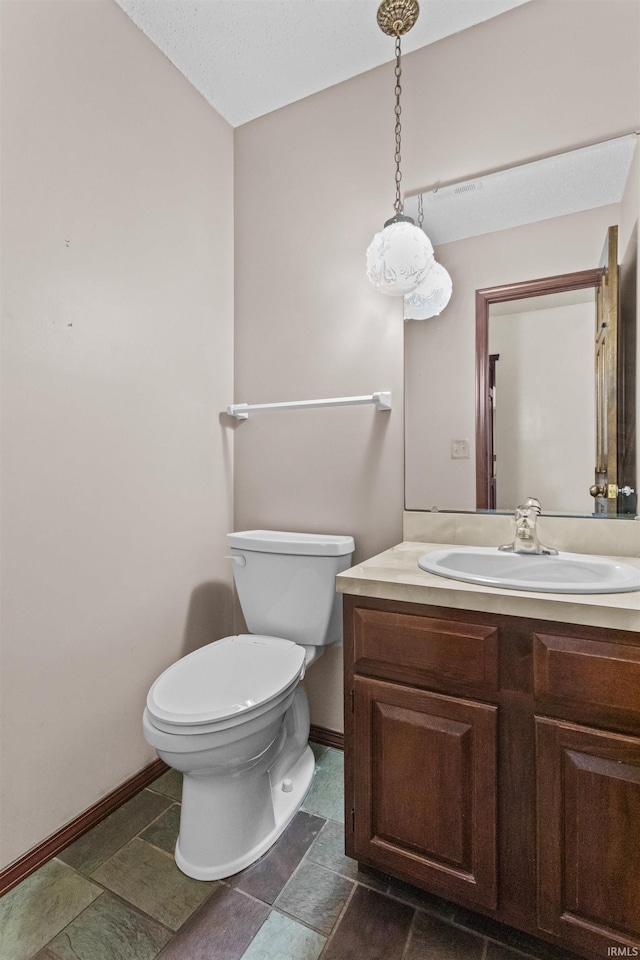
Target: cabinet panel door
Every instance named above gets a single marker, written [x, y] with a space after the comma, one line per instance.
[588, 835]
[425, 788]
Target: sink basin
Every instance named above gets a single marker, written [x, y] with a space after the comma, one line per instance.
[541, 573]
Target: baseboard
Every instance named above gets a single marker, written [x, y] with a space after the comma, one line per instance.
[37, 856]
[20, 869]
[328, 738]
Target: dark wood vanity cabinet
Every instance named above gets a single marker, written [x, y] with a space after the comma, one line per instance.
[425, 787]
[588, 826]
[495, 761]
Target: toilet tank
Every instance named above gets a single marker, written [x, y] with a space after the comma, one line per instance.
[286, 583]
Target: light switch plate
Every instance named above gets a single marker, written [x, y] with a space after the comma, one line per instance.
[460, 450]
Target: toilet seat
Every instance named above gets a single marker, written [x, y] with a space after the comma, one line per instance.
[225, 682]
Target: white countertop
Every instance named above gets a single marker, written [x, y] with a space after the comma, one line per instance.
[395, 575]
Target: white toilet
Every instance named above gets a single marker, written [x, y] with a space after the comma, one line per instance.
[233, 717]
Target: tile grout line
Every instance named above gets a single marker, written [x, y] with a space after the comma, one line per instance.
[270, 906]
[363, 883]
[73, 919]
[339, 919]
[120, 847]
[453, 923]
[292, 875]
[281, 910]
[302, 923]
[508, 946]
[159, 793]
[248, 947]
[119, 898]
[126, 903]
[174, 803]
[130, 906]
[461, 926]
[407, 942]
[139, 910]
[340, 825]
[141, 913]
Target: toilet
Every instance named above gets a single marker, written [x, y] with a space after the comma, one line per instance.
[233, 716]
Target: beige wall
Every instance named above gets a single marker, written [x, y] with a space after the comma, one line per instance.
[117, 270]
[314, 181]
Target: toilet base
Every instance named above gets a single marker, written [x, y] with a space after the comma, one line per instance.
[284, 803]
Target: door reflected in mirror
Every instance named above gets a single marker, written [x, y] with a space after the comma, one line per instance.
[542, 401]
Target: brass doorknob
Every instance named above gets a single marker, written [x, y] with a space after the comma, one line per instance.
[598, 490]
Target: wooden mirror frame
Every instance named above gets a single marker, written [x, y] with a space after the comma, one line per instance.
[484, 299]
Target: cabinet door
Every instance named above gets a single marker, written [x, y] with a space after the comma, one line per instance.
[425, 788]
[588, 836]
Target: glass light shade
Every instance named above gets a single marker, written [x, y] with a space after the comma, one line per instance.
[431, 297]
[398, 258]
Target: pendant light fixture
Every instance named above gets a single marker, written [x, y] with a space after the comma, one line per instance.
[400, 255]
[431, 297]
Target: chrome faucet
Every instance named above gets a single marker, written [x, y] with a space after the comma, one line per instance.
[526, 539]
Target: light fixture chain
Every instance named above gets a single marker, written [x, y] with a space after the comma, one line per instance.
[398, 205]
[420, 211]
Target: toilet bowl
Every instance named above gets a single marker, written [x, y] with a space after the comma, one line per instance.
[233, 716]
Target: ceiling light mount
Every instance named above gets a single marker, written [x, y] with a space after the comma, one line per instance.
[396, 17]
[400, 258]
[399, 255]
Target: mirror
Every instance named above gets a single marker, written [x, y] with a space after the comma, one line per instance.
[504, 232]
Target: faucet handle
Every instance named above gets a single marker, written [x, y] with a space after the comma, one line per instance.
[530, 504]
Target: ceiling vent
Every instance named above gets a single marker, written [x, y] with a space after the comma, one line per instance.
[448, 193]
[467, 187]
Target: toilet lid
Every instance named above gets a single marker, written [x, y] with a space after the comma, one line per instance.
[225, 678]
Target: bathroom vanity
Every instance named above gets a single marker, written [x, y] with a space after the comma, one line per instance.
[492, 747]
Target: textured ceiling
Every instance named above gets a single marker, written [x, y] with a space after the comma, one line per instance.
[566, 183]
[249, 57]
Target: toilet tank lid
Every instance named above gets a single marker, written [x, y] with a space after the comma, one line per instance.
[280, 541]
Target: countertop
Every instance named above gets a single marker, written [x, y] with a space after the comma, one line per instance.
[395, 575]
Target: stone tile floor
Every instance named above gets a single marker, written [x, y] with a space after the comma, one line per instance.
[116, 894]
